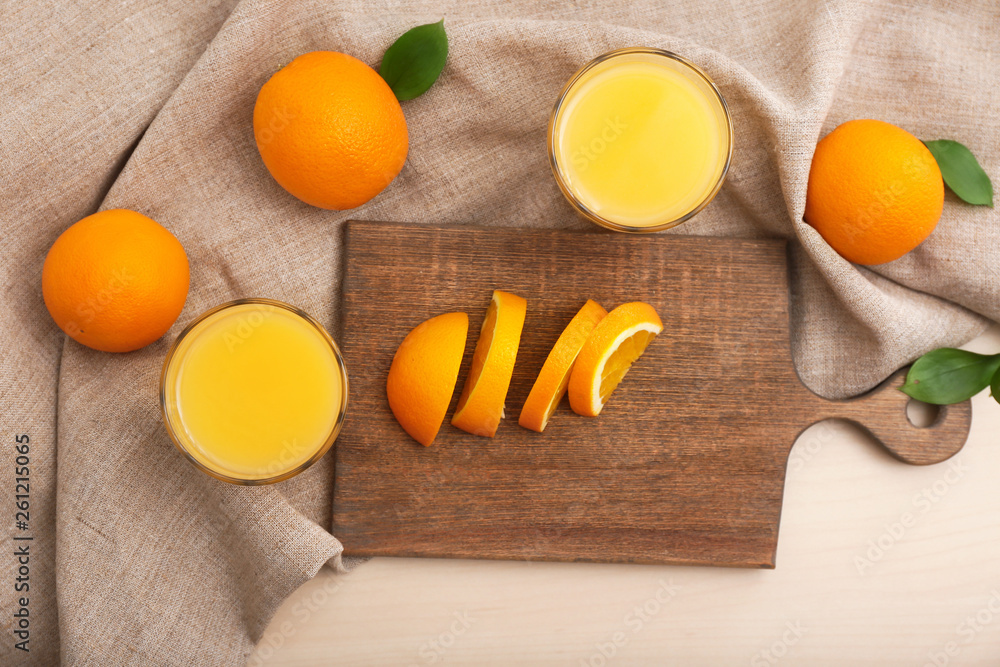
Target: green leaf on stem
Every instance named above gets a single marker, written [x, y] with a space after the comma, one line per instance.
[995, 387]
[414, 61]
[948, 375]
[961, 172]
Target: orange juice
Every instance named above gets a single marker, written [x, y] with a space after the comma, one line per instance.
[254, 391]
[640, 140]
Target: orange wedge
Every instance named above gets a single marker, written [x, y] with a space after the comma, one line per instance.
[612, 348]
[423, 374]
[480, 407]
[550, 385]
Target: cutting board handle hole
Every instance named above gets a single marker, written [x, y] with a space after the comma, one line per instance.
[922, 415]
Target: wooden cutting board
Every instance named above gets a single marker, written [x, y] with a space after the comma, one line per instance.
[685, 465]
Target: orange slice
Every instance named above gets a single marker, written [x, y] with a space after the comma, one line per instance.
[550, 385]
[480, 407]
[423, 374]
[612, 348]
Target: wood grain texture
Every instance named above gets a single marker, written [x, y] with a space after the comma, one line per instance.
[685, 465]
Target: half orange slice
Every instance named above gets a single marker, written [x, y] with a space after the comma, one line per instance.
[423, 374]
[480, 407]
[552, 381]
[612, 348]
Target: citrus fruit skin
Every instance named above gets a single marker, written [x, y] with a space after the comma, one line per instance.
[330, 130]
[875, 191]
[423, 374]
[481, 405]
[614, 345]
[553, 379]
[115, 281]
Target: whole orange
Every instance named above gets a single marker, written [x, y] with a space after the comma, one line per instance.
[330, 130]
[875, 191]
[115, 281]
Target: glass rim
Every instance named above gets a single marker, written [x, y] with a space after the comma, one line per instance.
[561, 181]
[317, 455]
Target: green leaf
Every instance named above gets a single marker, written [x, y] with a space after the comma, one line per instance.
[995, 387]
[414, 61]
[962, 172]
[947, 375]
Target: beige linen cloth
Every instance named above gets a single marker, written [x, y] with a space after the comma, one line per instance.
[137, 557]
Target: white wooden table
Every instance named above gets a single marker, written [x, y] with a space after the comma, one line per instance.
[879, 563]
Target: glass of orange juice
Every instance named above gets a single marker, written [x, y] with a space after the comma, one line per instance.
[253, 391]
[640, 140]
